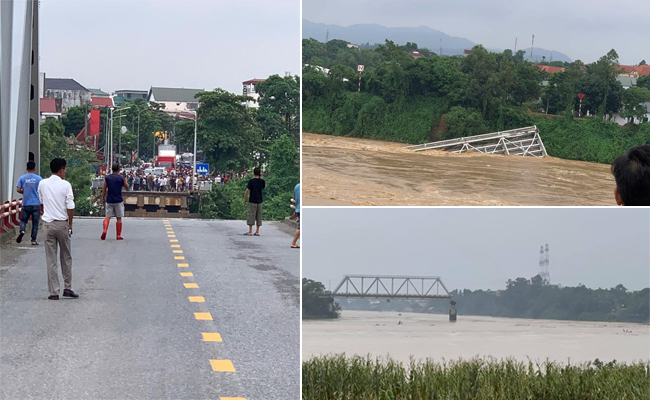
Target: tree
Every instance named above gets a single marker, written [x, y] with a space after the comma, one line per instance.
[228, 132]
[642, 62]
[79, 170]
[279, 107]
[315, 303]
[633, 107]
[74, 120]
[643, 82]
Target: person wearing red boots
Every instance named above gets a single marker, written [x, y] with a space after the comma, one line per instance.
[112, 197]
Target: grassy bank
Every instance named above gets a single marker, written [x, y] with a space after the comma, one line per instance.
[341, 378]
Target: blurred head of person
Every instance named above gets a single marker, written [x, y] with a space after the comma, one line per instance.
[632, 174]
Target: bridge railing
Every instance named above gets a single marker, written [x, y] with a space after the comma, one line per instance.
[10, 215]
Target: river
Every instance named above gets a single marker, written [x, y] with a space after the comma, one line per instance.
[432, 335]
[341, 171]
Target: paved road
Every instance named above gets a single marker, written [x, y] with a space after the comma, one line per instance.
[135, 333]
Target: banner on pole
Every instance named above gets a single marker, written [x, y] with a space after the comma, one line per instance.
[94, 122]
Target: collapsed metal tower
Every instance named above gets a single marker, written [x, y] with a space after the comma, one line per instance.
[543, 264]
[519, 142]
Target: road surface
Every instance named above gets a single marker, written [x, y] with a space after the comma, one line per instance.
[342, 171]
[137, 330]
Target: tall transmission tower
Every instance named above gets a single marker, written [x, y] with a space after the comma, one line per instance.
[327, 36]
[543, 264]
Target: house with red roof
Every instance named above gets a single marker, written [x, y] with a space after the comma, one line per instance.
[50, 108]
[101, 101]
[549, 69]
[634, 71]
[416, 54]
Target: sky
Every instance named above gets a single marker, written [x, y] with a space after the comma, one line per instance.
[479, 248]
[581, 29]
[136, 44]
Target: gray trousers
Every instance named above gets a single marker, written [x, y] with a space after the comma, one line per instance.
[56, 235]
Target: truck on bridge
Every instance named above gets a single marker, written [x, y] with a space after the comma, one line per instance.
[166, 156]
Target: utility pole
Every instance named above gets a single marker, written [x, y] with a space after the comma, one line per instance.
[515, 45]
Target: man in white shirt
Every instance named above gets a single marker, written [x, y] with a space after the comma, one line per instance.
[58, 210]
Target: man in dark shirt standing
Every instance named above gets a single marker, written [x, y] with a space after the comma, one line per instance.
[112, 197]
[254, 188]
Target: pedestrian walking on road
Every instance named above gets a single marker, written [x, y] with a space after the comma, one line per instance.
[28, 186]
[112, 197]
[296, 197]
[58, 211]
[254, 188]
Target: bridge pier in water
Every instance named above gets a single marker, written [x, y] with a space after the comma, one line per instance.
[452, 312]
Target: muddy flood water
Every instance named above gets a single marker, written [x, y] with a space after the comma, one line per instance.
[433, 336]
[348, 171]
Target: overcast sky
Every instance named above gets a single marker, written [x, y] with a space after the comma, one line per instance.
[581, 29]
[479, 248]
[136, 44]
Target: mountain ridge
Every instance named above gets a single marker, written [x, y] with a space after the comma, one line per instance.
[424, 36]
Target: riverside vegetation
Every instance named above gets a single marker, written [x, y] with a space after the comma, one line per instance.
[415, 101]
[341, 378]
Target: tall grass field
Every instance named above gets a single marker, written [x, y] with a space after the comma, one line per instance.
[366, 378]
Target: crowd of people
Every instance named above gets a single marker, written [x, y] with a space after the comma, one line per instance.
[179, 179]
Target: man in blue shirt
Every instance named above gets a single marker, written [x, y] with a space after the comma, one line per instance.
[296, 236]
[28, 186]
[112, 196]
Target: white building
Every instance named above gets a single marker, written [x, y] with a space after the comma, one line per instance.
[249, 90]
[174, 100]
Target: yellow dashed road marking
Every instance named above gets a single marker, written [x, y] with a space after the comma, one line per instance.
[211, 337]
[191, 285]
[173, 236]
[177, 251]
[173, 240]
[197, 299]
[203, 316]
[176, 245]
[179, 258]
[183, 265]
[187, 274]
[222, 365]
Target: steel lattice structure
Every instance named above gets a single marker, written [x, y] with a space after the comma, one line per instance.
[520, 142]
[392, 287]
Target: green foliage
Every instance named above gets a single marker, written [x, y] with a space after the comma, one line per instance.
[632, 107]
[279, 107]
[589, 139]
[643, 82]
[228, 132]
[284, 174]
[226, 202]
[338, 377]
[315, 303]
[79, 170]
[461, 122]
[75, 120]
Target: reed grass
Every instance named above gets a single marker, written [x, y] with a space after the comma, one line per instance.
[338, 377]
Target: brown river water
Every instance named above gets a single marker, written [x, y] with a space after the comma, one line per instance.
[433, 336]
[340, 171]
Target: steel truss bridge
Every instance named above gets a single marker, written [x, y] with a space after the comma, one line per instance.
[392, 287]
[520, 142]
